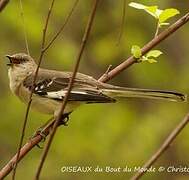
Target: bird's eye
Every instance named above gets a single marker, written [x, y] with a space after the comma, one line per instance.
[15, 60]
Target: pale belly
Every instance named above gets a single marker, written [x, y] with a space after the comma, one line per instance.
[46, 105]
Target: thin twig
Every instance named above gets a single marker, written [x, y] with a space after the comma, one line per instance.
[58, 119]
[62, 27]
[25, 149]
[3, 4]
[157, 29]
[24, 27]
[31, 94]
[172, 136]
[131, 60]
[35, 140]
[122, 23]
[108, 69]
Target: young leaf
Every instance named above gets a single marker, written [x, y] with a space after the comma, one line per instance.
[136, 51]
[152, 10]
[145, 58]
[160, 15]
[154, 53]
[151, 60]
[164, 24]
[137, 5]
[158, 12]
[167, 13]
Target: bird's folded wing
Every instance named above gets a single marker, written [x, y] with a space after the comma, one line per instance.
[54, 86]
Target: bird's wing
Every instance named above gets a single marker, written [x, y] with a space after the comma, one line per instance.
[54, 85]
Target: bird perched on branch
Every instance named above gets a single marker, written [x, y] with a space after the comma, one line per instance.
[51, 87]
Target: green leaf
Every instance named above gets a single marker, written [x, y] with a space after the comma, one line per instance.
[154, 53]
[152, 61]
[164, 24]
[152, 10]
[145, 58]
[137, 5]
[161, 15]
[136, 51]
[167, 13]
[158, 12]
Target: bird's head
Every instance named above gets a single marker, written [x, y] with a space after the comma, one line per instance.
[20, 59]
[20, 66]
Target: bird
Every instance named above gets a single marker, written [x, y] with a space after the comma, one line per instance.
[51, 87]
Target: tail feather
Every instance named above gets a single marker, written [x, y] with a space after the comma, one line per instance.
[144, 93]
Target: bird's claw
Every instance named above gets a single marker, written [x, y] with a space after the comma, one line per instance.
[42, 134]
[64, 119]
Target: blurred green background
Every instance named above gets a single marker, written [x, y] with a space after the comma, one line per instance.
[123, 134]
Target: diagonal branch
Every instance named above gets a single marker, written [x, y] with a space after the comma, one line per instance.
[25, 149]
[172, 136]
[34, 141]
[150, 45]
[58, 119]
[31, 94]
[3, 4]
[62, 27]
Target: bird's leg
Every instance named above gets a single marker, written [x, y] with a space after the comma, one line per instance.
[64, 119]
[40, 131]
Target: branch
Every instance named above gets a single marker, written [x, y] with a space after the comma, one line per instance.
[22, 152]
[35, 140]
[62, 27]
[3, 4]
[172, 136]
[25, 149]
[24, 27]
[122, 23]
[59, 117]
[31, 94]
[150, 45]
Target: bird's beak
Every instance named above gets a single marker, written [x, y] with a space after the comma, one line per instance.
[8, 56]
[10, 59]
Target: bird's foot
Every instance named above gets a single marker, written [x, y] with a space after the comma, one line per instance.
[64, 119]
[40, 132]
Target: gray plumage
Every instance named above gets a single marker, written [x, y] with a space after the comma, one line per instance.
[51, 87]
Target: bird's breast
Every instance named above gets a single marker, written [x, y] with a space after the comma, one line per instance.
[16, 78]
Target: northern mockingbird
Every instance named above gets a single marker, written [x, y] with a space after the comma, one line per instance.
[51, 87]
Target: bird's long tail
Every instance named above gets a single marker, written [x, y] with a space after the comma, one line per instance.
[144, 93]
